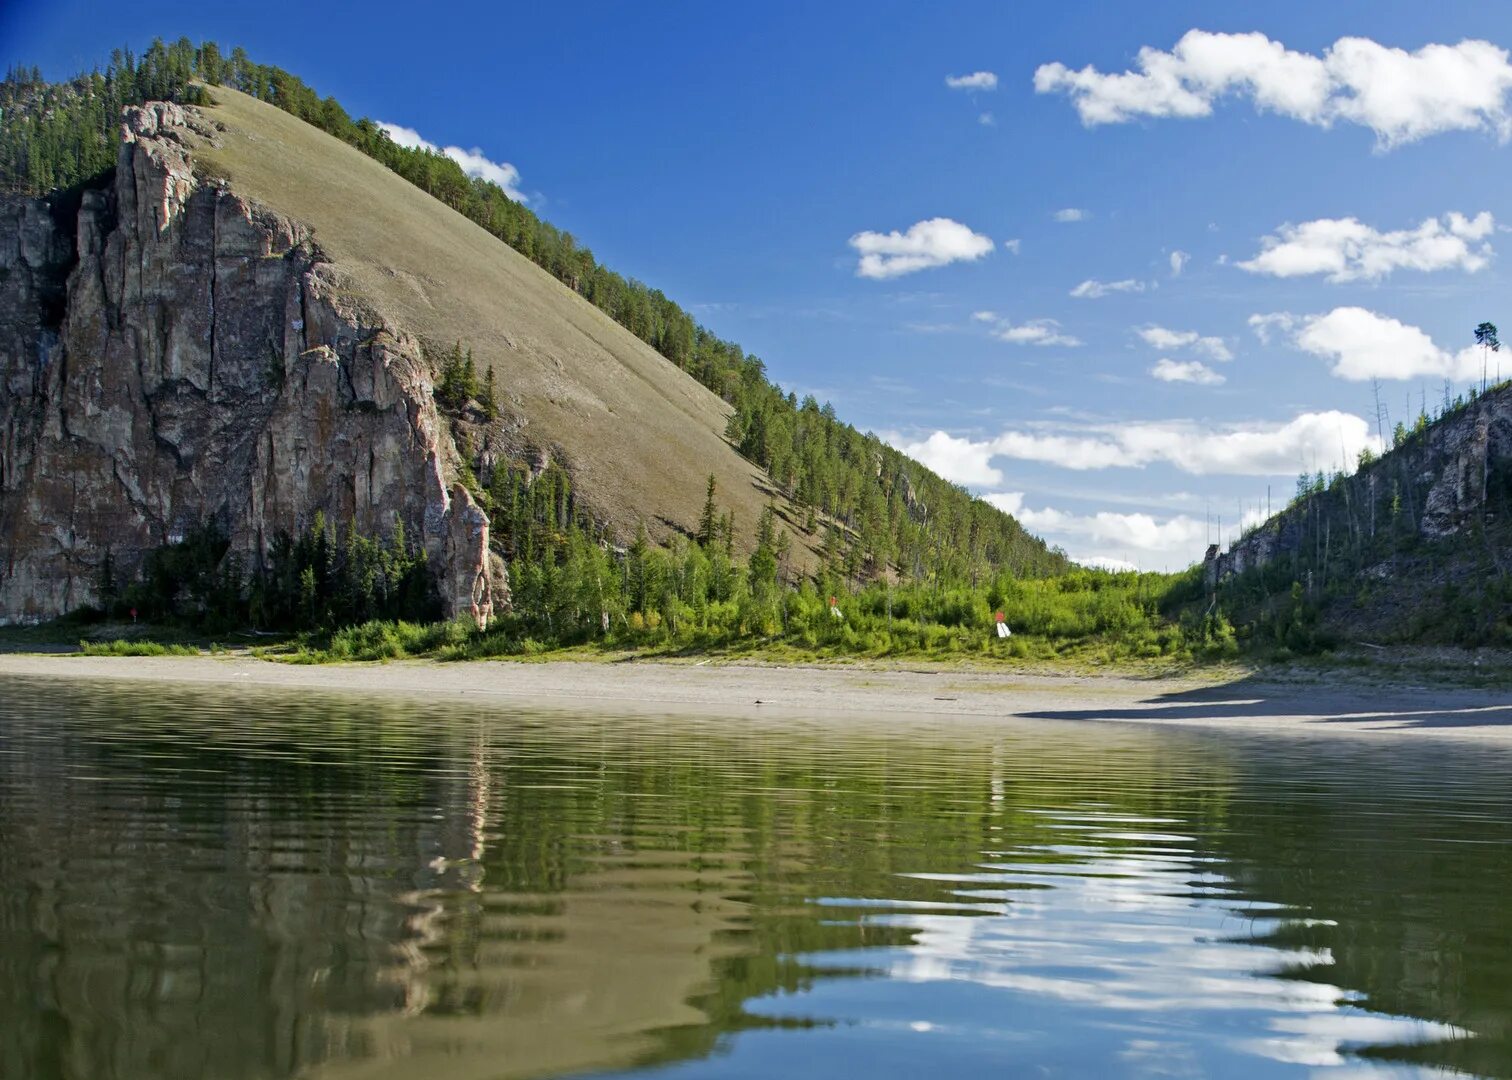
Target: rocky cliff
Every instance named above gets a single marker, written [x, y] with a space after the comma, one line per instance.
[172, 354]
[1426, 527]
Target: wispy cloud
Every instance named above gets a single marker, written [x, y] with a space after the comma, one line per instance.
[977, 80]
[1096, 290]
[1071, 214]
[1032, 332]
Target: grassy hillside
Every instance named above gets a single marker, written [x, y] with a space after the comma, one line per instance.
[639, 436]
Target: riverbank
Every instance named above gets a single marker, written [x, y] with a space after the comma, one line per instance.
[1299, 701]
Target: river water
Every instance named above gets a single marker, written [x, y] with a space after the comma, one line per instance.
[222, 884]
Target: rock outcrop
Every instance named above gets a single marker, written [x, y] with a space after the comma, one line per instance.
[1441, 482]
[174, 355]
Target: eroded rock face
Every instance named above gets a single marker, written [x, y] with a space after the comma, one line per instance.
[1440, 478]
[177, 355]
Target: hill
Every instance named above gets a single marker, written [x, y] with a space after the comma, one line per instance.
[638, 436]
[253, 316]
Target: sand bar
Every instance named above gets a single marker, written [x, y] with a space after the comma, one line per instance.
[1252, 704]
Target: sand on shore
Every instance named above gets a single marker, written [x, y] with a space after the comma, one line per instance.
[719, 688]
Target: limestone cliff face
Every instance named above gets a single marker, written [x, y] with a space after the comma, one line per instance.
[173, 355]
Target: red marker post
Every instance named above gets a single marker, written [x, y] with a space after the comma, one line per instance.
[1002, 624]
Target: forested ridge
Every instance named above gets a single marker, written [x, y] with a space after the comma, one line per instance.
[887, 514]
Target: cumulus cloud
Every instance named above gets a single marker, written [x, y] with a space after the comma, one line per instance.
[474, 162]
[1167, 340]
[1365, 345]
[977, 80]
[1096, 290]
[1187, 371]
[926, 244]
[1070, 214]
[1033, 332]
[1245, 449]
[1401, 96]
[1346, 249]
[1179, 260]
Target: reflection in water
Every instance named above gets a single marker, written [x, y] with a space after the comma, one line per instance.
[254, 885]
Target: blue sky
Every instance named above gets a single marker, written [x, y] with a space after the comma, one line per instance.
[745, 160]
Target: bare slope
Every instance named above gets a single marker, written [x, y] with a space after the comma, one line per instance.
[640, 436]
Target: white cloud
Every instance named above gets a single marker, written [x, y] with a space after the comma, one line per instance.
[1365, 345]
[1142, 531]
[1166, 340]
[474, 162]
[1107, 538]
[1070, 214]
[1188, 371]
[1401, 96]
[1179, 260]
[986, 119]
[926, 244]
[1246, 449]
[1033, 332]
[1096, 290]
[1104, 562]
[1012, 246]
[958, 460]
[977, 80]
[1348, 250]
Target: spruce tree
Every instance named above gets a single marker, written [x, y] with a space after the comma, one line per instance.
[490, 400]
[708, 521]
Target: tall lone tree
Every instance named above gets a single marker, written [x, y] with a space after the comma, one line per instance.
[708, 521]
[1485, 337]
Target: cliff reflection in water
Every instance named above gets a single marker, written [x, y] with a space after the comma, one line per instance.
[255, 885]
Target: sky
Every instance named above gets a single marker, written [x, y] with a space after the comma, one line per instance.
[1125, 273]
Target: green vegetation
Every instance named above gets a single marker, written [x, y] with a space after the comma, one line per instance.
[59, 135]
[122, 647]
[318, 582]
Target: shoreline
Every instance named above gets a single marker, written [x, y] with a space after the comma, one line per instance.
[1248, 704]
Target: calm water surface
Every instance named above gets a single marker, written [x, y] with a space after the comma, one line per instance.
[213, 884]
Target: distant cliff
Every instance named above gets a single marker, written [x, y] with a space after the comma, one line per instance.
[1414, 546]
[172, 354]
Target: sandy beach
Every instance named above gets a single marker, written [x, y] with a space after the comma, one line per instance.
[1321, 707]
